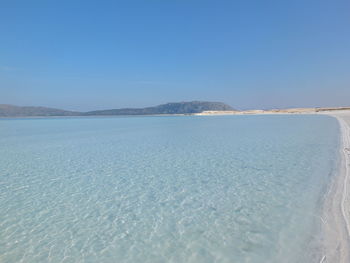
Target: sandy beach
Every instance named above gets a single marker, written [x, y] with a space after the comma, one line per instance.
[330, 111]
[336, 215]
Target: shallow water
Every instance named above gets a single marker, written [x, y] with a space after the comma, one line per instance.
[164, 189]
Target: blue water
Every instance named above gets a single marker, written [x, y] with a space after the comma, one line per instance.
[164, 189]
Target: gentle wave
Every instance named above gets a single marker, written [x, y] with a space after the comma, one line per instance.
[164, 189]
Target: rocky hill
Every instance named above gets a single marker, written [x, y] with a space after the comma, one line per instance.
[169, 108]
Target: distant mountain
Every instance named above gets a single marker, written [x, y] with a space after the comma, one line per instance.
[169, 108]
[16, 111]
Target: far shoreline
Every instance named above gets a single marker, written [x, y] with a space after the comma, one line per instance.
[203, 113]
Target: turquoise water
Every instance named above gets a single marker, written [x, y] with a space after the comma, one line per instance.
[164, 189]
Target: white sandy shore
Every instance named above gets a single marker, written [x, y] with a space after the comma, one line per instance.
[336, 216]
[275, 111]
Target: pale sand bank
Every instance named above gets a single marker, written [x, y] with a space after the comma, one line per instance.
[275, 111]
[336, 216]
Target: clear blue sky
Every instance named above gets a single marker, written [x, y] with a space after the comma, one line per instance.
[85, 55]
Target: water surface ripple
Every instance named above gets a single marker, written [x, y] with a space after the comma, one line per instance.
[164, 189]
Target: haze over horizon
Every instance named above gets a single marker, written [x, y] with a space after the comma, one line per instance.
[114, 54]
